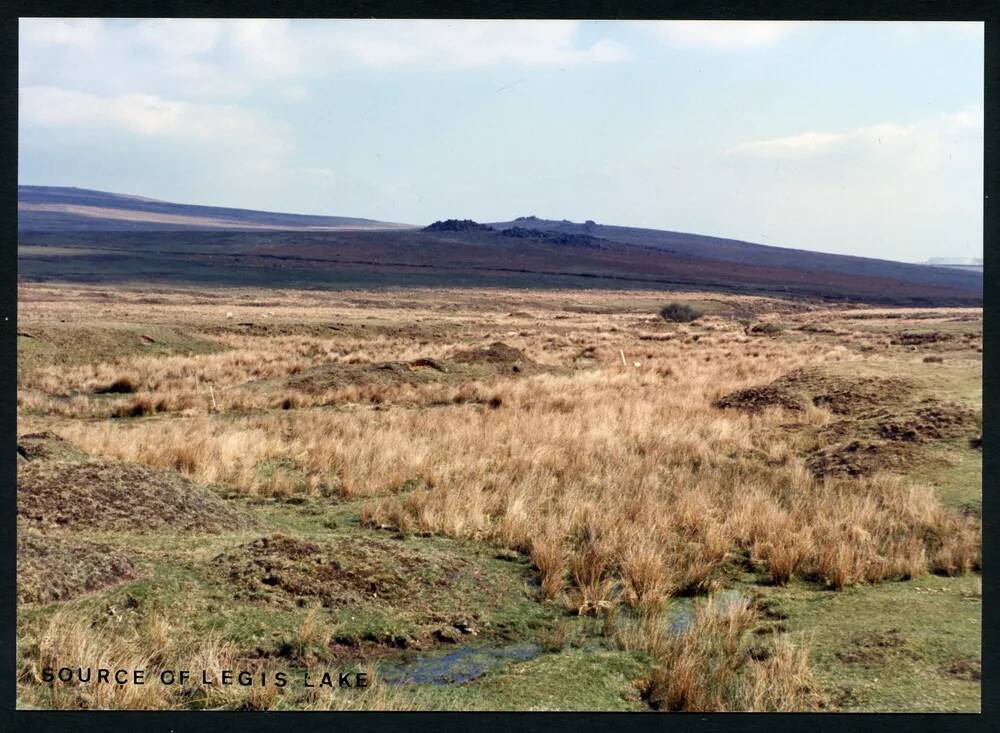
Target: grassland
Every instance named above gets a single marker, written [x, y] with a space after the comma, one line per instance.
[523, 500]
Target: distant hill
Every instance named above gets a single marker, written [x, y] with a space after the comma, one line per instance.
[54, 208]
[735, 251]
[89, 236]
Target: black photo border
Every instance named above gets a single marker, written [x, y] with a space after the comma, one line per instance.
[518, 722]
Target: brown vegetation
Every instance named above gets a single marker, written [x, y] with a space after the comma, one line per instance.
[56, 568]
[630, 461]
[73, 491]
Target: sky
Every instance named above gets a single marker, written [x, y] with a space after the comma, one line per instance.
[855, 138]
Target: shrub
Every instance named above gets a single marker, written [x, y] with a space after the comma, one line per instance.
[767, 328]
[122, 385]
[138, 407]
[680, 313]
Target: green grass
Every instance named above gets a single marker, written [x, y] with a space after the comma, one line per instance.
[52, 344]
[577, 679]
[955, 470]
[933, 621]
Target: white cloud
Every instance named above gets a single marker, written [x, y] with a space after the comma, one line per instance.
[259, 141]
[205, 57]
[921, 145]
[723, 34]
[78, 32]
[179, 37]
[267, 45]
[464, 44]
[320, 172]
[144, 114]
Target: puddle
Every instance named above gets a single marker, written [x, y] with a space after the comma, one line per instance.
[468, 663]
[462, 665]
[681, 619]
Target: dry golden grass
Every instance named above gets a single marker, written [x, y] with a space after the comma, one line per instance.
[634, 476]
[615, 475]
[710, 666]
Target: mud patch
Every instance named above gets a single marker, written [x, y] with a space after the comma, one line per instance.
[965, 669]
[113, 495]
[58, 568]
[287, 571]
[874, 648]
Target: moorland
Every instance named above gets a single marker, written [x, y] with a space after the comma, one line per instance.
[494, 497]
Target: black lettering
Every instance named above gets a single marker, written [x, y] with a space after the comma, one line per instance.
[48, 675]
[65, 674]
[280, 679]
[167, 677]
[121, 676]
[103, 675]
[361, 679]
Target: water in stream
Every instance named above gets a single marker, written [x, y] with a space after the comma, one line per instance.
[464, 664]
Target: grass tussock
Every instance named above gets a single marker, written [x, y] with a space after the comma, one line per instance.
[680, 313]
[624, 494]
[711, 665]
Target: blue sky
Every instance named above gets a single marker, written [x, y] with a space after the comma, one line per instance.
[856, 138]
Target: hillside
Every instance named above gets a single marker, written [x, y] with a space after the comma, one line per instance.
[127, 239]
[53, 208]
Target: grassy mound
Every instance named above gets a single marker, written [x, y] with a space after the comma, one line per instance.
[69, 490]
[58, 568]
[496, 353]
[838, 394]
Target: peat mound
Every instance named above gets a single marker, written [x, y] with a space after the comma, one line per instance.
[46, 446]
[797, 389]
[497, 353]
[860, 457]
[930, 419]
[884, 439]
[326, 377]
[287, 571]
[919, 338]
[58, 568]
[464, 365]
[755, 399]
[105, 494]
